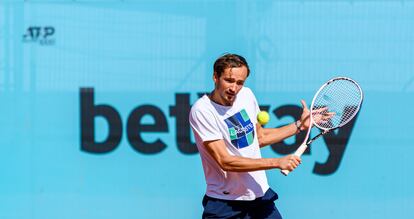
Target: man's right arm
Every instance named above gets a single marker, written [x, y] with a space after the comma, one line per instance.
[228, 162]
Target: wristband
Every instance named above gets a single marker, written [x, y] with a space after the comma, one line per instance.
[298, 125]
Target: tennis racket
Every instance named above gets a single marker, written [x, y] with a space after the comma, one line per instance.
[335, 104]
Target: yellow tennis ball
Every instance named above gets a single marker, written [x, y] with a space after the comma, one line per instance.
[263, 117]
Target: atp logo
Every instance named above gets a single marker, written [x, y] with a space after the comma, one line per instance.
[241, 129]
[41, 35]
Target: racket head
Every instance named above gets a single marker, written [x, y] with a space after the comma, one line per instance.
[342, 96]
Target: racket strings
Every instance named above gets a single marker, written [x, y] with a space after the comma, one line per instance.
[336, 104]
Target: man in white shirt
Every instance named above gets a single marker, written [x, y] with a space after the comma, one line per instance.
[229, 138]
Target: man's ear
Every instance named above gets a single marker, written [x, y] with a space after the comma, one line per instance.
[215, 78]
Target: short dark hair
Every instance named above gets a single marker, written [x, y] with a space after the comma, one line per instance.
[229, 60]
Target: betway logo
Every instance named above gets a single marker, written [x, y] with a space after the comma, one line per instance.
[336, 142]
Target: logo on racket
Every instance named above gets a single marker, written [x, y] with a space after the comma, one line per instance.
[241, 129]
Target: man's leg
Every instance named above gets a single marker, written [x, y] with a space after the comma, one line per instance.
[265, 210]
[216, 208]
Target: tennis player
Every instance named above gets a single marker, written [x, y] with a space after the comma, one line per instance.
[229, 139]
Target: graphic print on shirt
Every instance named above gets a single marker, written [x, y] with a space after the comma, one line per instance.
[241, 129]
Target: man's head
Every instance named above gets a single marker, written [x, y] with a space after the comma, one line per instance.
[230, 73]
[229, 61]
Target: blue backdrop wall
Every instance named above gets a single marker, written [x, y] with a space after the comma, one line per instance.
[95, 95]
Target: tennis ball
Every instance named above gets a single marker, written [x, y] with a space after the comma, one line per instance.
[263, 117]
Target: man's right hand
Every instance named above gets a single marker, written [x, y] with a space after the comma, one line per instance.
[289, 162]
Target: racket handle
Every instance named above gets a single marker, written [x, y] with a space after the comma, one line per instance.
[298, 153]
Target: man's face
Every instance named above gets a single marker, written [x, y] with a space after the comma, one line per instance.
[229, 84]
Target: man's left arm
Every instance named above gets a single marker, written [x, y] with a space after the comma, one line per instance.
[267, 136]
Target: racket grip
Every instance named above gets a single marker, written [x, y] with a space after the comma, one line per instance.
[298, 153]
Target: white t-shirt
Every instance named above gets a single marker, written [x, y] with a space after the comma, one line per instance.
[236, 125]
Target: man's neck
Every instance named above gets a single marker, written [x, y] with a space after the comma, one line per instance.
[217, 99]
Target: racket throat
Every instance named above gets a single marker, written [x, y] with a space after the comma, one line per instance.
[316, 137]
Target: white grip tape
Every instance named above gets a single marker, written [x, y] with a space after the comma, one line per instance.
[298, 153]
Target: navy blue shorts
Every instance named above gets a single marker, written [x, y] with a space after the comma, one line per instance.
[260, 208]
